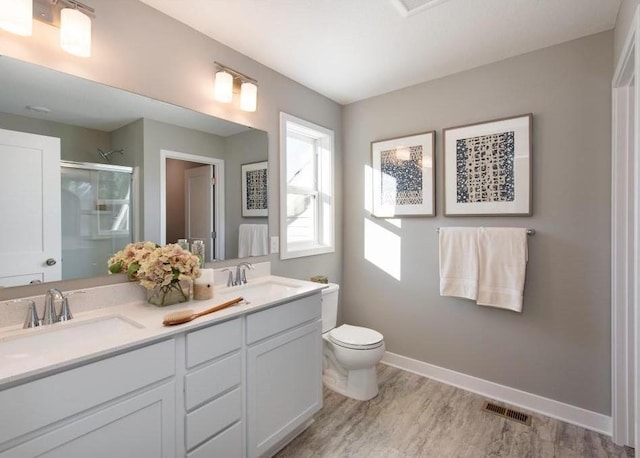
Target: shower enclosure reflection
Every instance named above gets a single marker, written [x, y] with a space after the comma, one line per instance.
[97, 216]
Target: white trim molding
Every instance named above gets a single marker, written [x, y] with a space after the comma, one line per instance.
[625, 241]
[545, 406]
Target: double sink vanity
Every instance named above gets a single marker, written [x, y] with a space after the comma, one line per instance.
[113, 381]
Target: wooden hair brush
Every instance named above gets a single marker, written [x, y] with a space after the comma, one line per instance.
[184, 316]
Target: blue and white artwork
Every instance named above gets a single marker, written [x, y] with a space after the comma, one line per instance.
[256, 182]
[485, 168]
[401, 182]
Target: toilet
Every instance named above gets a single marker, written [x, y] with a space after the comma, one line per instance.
[350, 352]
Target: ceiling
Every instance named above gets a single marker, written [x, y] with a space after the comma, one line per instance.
[349, 50]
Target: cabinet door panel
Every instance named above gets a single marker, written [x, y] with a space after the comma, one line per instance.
[59, 396]
[141, 427]
[284, 385]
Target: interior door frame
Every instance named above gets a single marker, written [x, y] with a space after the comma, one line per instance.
[625, 242]
[218, 195]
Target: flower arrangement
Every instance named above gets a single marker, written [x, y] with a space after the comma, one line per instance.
[162, 270]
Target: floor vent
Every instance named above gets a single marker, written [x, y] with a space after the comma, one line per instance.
[505, 412]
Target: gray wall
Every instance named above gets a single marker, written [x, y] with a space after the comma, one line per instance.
[559, 346]
[623, 25]
[141, 50]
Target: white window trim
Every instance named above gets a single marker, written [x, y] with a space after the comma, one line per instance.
[294, 250]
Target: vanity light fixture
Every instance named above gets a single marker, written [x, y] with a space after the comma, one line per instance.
[75, 31]
[224, 87]
[16, 16]
[72, 17]
[228, 79]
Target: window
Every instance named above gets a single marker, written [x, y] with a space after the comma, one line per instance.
[306, 188]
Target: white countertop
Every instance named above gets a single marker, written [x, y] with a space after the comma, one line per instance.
[135, 323]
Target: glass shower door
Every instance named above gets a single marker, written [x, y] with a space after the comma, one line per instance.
[97, 216]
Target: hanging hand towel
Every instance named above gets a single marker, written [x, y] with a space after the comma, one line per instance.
[253, 240]
[502, 262]
[458, 262]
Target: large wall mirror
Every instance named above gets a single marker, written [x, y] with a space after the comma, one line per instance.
[86, 168]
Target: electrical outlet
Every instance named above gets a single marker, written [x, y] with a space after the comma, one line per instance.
[275, 244]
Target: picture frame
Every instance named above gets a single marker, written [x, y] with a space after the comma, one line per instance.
[255, 192]
[403, 176]
[487, 168]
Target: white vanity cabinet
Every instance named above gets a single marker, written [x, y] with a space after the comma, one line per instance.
[237, 388]
[119, 406]
[284, 372]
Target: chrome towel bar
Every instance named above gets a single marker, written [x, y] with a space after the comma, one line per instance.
[530, 231]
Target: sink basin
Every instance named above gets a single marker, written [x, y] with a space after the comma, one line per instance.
[265, 288]
[65, 338]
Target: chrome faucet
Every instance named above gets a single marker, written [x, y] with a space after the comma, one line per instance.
[51, 297]
[241, 273]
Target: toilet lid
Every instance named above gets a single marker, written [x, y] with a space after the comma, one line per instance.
[355, 337]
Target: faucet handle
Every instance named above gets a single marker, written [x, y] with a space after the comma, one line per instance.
[230, 281]
[32, 319]
[65, 311]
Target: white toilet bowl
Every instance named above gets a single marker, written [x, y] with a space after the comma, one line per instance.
[350, 357]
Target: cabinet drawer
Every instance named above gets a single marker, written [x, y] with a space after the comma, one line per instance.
[208, 382]
[227, 444]
[36, 404]
[212, 418]
[282, 317]
[209, 343]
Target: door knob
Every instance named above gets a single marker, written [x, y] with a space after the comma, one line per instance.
[51, 262]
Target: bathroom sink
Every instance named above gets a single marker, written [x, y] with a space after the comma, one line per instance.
[263, 288]
[65, 339]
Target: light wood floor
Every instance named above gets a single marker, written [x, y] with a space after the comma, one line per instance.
[413, 416]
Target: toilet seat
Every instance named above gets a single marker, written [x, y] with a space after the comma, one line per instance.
[355, 337]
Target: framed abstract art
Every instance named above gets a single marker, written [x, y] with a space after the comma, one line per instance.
[487, 168]
[254, 189]
[403, 176]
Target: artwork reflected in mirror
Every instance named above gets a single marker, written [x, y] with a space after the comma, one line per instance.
[99, 186]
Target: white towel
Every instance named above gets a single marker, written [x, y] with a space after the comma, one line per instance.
[458, 262]
[502, 262]
[253, 240]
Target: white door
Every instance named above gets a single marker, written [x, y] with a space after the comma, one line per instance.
[199, 206]
[30, 208]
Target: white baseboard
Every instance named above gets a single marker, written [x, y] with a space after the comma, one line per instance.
[545, 406]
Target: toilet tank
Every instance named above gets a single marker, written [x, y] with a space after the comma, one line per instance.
[330, 307]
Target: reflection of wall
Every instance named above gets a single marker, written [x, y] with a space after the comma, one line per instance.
[241, 148]
[176, 222]
[76, 143]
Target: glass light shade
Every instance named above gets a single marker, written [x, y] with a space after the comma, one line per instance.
[16, 16]
[248, 96]
[223, 87]
[75, 32]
